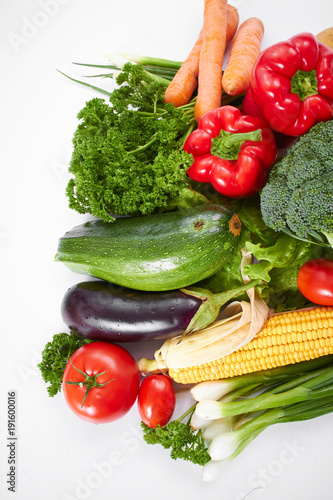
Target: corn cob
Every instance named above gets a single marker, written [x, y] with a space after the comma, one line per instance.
[286, 338]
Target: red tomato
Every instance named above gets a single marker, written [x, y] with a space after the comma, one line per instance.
[315, 281]
[101, 382]
[156, 400]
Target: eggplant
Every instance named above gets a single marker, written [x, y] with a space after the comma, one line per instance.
[100, 310]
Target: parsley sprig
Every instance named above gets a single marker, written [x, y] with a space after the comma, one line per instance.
[185, 443]
[55, 357]
[128, 156]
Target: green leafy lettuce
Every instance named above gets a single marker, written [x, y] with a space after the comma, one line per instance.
[277, 258]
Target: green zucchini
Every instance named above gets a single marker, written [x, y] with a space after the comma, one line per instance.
[155, 252]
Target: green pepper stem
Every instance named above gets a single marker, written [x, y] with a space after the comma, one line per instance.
[227, 145]
[304, 84]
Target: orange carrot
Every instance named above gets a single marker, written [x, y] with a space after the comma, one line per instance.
[211, 57]
[244, 52]
[232, 23]
[184, 83]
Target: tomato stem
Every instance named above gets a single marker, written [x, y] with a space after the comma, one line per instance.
[89, 382]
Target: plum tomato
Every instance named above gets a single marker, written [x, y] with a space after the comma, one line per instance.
[315, 281]
[156, 400]
[101, 382]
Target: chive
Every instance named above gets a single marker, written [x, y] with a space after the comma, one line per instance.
[98, 89]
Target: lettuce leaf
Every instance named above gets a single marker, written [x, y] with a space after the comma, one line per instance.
[277, 258]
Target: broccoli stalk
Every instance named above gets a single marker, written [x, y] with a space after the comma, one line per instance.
[298, 196]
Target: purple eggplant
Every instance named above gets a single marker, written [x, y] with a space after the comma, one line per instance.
[99, 310]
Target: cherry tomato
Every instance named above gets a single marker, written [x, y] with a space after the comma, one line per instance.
[156, 400]
[315, 281]
[101, 382]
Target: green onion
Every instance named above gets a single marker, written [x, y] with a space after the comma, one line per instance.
[288, 394]
[214, 468]
[144, 60]
[216, 389]
[224, 445]
[314, 385]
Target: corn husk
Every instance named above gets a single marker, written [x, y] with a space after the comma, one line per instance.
[236, 326]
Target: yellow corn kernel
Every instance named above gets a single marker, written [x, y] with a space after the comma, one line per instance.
[286, 338]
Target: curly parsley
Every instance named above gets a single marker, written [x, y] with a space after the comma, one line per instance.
[128, 154]
[55, 356]
[184, 442]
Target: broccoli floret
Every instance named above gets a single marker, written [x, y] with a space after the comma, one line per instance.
[298, 196]
[273, 201]
[311, 206]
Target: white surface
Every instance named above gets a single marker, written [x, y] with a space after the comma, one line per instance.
[60, 457]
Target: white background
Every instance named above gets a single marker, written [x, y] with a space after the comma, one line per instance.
[59, 456]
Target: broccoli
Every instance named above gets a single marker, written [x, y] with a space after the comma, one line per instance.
[298, 196]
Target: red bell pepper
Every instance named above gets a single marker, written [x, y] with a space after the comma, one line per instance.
[292, 84]
[231, 151]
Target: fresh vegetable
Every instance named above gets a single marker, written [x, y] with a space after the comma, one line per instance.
[99, 310]
[231, 151]
[226, 444]
[249, 107]
[298, 196]
[180, 438]
[237, 324]
[128, 155]
[101, 382]
[315, 281]
[163, 68]
[156, 400]
[248, 423]
[245, 50]
[211, 57]
[315, 386]
[292, 84]
[154, 253]
[276, 382]
[184, 83]
[55, 357]
[326, 37]
[276, 260]
[277, 265]
[218, 389]
[284, 339]
[232, 23]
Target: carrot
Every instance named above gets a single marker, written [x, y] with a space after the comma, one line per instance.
[211, 57]
[244, 52]
[184, 83]
[232, 23]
